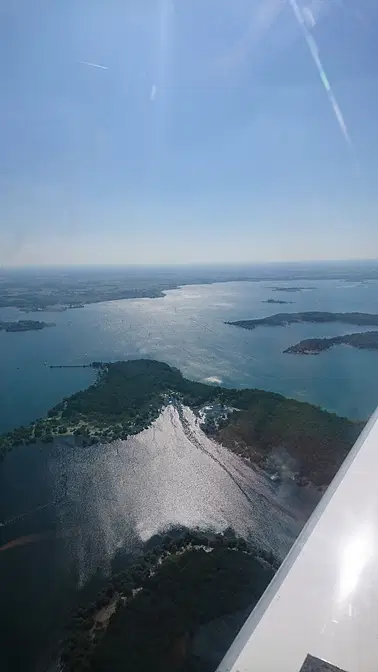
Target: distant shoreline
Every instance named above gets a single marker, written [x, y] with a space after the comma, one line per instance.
[47, 291]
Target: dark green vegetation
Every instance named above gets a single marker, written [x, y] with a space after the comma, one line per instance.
[128, 396]
[25, 325]
[60, 299]
[315, 441]
[148, 617]
[367, 340]
[275, 301]
[317, 317]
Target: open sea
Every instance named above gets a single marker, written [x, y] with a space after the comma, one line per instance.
[71, 513]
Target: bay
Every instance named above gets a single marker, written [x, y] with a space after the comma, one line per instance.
[74, 511]
[186, 329]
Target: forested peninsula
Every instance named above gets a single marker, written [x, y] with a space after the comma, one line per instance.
[316, 317]
[367, 340]
[129, 395]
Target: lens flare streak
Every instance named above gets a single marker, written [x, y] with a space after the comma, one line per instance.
[314, 51]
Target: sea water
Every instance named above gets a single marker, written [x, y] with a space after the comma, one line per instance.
[75, 510]
[187, 329]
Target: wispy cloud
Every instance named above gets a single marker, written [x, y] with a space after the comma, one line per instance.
[94, 65]
[153, 93]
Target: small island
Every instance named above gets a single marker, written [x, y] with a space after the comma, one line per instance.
[316, 317]
[129, 395]
[367, 340]
[25, 325]
[276, 301]
[290, 289]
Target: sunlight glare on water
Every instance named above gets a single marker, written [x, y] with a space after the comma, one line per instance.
[169, 475]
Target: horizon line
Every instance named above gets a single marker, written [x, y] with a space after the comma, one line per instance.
[189, 263]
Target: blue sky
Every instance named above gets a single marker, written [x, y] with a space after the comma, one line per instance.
[207, 135]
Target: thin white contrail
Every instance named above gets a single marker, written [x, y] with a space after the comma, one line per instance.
[94, 65]
[316, 58]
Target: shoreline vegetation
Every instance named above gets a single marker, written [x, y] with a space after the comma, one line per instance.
[367, 340]
[315, 317]
[53, 308]
[154, 614]
[128, 396]
[25, 325]
[39, 305]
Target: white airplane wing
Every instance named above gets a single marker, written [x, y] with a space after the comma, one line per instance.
[322, 604]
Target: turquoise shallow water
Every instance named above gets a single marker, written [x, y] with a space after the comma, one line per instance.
[186, 329]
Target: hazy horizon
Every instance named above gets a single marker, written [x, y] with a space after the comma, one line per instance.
[205, 264]
[224, 131]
